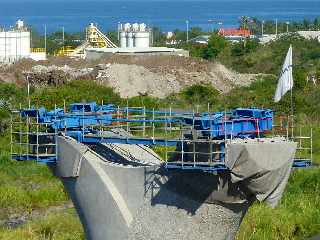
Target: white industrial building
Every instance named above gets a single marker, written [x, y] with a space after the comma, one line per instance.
[15, 44]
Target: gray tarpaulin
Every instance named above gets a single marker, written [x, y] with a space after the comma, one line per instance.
[262, 167]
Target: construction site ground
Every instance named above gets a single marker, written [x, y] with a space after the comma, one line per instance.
[156, 76]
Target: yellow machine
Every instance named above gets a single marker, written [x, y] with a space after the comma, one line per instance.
[94, 38]
[97, 39]
[64, 51]
[38, 50]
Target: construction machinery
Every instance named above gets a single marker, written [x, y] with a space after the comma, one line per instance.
[94, 39]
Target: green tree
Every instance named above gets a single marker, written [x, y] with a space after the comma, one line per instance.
[200, 94]
[195, 32]
[216, 45]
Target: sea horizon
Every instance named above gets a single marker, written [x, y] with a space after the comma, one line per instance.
[75, 15]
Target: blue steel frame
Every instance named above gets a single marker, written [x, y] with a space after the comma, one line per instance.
[241, 123]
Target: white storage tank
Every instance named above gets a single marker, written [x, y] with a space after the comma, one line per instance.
[20, 24]
[131, 42]
[142, 39]
[135, 27]
[127, 27]
[143, 27]
[134, 36]
[123, 39]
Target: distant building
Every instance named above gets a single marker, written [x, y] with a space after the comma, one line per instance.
[235, 35]
[202, 39]
[309, 35]
[171, 38]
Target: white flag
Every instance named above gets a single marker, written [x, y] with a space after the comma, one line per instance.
[286, 79]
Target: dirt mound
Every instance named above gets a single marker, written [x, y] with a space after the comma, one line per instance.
[130, 76]
[185, 71]
[133, 80]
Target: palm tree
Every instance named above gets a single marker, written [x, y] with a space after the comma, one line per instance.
[244, 22]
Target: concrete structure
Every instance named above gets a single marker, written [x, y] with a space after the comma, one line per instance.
[38, 54]
[135, 35]
[95, 53]
[120, 201]
[123, 192]
[15, 43]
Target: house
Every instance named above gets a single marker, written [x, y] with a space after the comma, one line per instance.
[202, 39]
[235, 35]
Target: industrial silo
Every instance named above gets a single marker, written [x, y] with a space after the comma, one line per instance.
[134, 36]
[14, 43]
[123, 39]
[142, 37]
[131, 41]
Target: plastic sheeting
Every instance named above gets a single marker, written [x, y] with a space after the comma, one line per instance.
[261, 167]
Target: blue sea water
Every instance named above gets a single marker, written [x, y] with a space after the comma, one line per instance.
[168, 15]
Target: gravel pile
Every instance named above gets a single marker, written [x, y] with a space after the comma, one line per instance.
[166, 218]
[133, 80]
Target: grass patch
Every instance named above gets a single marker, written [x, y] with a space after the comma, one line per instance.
[26, 186]
[54, 226]
[297, 217]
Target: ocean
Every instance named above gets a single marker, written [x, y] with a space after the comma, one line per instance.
[168, 15]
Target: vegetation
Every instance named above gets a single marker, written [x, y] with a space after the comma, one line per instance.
[27, 186]
[58, 226]
[255, 25]
[297, 217]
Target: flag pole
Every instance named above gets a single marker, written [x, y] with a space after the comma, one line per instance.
[285, 84]
[291, 92]
[292, 115]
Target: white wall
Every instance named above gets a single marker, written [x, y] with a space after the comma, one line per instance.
[14, 45]
[38, 56]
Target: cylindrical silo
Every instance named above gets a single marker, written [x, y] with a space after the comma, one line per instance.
[20, 24]
[135, 27]
[142, 39]
[123, 39]
[143, 27]
[130, 39]
[127, 27]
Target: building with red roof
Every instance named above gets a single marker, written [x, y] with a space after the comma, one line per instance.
[233, 32]
[235, 35]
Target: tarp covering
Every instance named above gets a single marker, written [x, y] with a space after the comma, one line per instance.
[262, 167]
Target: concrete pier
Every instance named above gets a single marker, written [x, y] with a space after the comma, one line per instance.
[122, 192]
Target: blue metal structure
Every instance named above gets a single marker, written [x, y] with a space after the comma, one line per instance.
[243, 123]
[85, 122]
